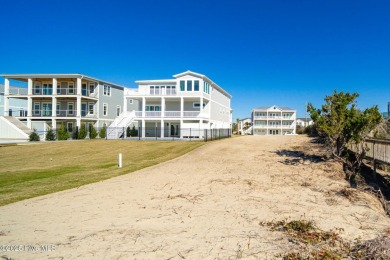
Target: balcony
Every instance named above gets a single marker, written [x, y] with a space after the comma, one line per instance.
[156, 92]
[175, 114]
[63, 91]
[62, 113]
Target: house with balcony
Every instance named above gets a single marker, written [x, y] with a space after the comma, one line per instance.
[181, 107]
[72, 99]
[304, 122]
[15, 106]
[273, 120]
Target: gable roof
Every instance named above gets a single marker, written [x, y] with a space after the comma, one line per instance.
[205, 78]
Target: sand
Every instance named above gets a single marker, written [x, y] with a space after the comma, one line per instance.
[206, 204]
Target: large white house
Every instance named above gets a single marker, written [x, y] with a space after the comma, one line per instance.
[183, 106]
[273, 120]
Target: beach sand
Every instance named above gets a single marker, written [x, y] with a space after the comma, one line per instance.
[207, 204]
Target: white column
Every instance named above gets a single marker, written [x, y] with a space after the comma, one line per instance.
[78, 122]
[78, 103]
[29, 106]
[162, 106]
[162, 128]
[78, 86]
[29, 123]
[143, 106]
[54, 123]
[54, 86]
[29, 87]
[54, 106]
[6, 93]
[181, 107]
[143, 128]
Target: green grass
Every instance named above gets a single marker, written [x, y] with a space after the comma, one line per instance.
[32, 170]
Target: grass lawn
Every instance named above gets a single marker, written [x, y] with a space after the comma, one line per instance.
[36, 169]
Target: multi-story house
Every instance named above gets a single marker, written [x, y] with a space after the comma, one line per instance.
[273, 120]
[72, 99]
[304, 122]
[245, 126]
[183, 106]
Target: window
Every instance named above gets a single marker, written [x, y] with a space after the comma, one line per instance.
[58, 88]
[47, 89]
[196, 85]
[70, 108]
[70, 126]
[37, 107]
[105, 109]
[84, 89]
[182, 83]
[58, 109]
[118, 110]
[90, 108]
[157, 90]
[206, 87]
[189, 85]
[91, 88]
[131, 101]
[71, 88]
[37, 88]
[196, 105]
[152, 108]
[106, 90]
[151, 90]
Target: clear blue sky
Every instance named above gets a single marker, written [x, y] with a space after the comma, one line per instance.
[262, 52]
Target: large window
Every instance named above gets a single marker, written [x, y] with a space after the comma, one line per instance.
[91, 88]
[206, 87]
[58, 109]
[182, 83]
[196, 85]
[152, 108]
[47, 89]
[90, 108]
[189, 85]
[70, 108]
[105, 109]
[37, 89]
[118, 110]
[107, 90]
[71, 88]
[37, 108]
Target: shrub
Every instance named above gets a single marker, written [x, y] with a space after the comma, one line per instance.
[92, 132]
[128, 131]
[75, 134]
[50, 135]
[133, 132]
[83, 132]
[62, 133]
[34, 137]
[102, 132]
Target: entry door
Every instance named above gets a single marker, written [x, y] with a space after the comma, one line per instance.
[84, 89]
[83, 109]
[46, 109]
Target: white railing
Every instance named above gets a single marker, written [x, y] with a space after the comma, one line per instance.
[138, 113]
[172, 114]
[260, 126]
[152, 113]
[17, 91]
[138, 92]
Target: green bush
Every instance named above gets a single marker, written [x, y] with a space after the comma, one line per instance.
[62, 133]
[133, 132]
[34, 137]
[50, 135]
[75, 134]
[128, 131]
[102, 132]
[83, 132]
[92, 132]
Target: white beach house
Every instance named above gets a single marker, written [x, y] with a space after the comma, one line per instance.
[182, 106]
[273, 120]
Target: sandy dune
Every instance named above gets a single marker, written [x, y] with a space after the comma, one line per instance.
[205, 205]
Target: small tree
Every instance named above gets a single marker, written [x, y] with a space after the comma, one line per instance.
[75, 134]
[83, 132]
[92, 132]
[128, 131]
[344, 127]
[50, 135]
[62, 133]
[34, 137]
[133, 132]
[102, 132]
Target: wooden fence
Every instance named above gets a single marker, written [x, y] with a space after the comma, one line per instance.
[378, 150]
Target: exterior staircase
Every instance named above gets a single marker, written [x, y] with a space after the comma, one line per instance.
[117, 129]
[12, 128]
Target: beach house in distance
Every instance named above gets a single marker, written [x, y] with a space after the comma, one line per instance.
[273, 120]
[182, 106]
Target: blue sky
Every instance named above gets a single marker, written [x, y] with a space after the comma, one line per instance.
[262, 52]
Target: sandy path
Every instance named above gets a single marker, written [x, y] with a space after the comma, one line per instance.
[205, 205]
